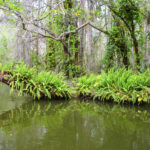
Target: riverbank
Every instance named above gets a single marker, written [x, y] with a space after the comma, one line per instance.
[120, 86]
[36, 84]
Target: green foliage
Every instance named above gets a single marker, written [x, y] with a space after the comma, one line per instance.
[37, 61]
[117, 47]
[13, 4]
[127, 30]
[84, 83]
[51, 57]
[129, 10]
[120, 86]
[39, 85]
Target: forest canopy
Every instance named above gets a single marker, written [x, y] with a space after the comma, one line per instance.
[83, 34]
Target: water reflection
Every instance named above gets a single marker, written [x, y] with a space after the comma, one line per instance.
[9, 101]
[74, 126]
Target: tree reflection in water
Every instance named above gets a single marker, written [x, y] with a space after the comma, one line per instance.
[75, 125]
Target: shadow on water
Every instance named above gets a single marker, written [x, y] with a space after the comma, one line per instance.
[75, 125]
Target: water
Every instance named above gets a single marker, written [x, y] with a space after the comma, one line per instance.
[74, 125]
[9, 101]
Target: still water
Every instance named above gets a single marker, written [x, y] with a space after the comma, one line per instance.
[71, 125]
[9, 101]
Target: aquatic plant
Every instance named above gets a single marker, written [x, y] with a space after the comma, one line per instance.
[28, 80]
[117, 85]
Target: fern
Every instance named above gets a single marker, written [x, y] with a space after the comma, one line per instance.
[120, 85]
[39, 85]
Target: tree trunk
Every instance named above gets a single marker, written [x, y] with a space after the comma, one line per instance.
[89, 40]
[125, 56]
[82, 31]
[77, 40]
[77, 52]
[37, 39]
[135, 44]
[67, 56]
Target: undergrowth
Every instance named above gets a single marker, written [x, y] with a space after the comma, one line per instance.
[38, 85]
[120, 86]
[116, 85]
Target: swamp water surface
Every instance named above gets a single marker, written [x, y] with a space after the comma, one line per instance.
[71, 125]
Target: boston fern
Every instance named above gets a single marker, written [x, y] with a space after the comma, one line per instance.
[117, 85]
[39, 85]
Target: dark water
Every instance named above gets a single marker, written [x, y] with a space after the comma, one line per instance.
[74, 125]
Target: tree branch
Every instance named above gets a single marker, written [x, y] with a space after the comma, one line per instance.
[117, 14]
[79, 28]
[51, 34]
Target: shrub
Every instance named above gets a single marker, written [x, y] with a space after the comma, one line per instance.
[120, 85]
[38, 85]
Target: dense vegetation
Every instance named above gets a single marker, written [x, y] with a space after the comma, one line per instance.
[71, 42]
[117, 85]
[39, 85]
